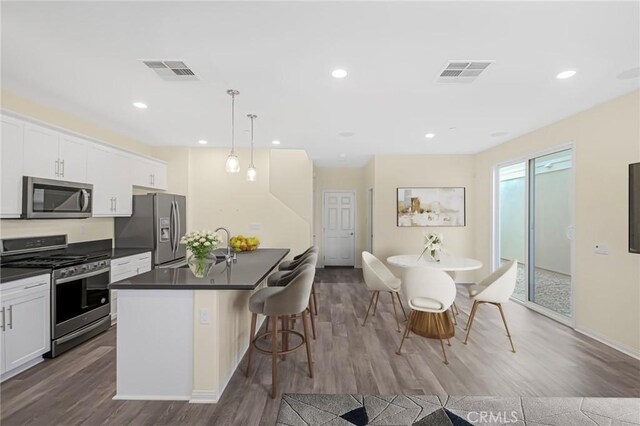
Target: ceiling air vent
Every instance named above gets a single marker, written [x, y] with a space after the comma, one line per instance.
[171, 70]
[462, 72]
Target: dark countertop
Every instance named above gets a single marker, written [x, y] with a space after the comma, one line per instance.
[117, 253]
[249, 271]
[12, 274]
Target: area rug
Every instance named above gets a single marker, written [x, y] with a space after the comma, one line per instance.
[432, 410]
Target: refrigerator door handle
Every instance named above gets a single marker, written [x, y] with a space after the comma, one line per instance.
[172, 238]
[178, 227]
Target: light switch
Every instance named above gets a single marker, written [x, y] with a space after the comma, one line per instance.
[204, 316]
[602, 249]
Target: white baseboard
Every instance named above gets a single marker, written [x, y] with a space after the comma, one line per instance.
[153, 397]
[204, 397]
[627, 350]
[24, 367]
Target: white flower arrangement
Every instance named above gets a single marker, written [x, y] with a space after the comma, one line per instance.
[201, 243]
[432, 245]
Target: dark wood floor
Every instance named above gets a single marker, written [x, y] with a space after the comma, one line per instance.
[551, 360]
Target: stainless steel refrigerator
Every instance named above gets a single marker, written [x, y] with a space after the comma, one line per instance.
[157, 223]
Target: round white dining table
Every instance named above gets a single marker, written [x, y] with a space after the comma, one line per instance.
[425, 323]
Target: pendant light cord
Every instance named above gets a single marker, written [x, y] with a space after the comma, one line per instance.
[233, 122]
[252, 117]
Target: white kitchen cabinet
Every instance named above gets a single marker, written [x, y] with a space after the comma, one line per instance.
[109, 170]
[26, 323]
[54, 155]
[127, 267]
[148, 173]
[11, 167]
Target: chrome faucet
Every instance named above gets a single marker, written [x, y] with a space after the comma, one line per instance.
[229, 257]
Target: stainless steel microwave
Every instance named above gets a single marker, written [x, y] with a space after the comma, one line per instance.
[55, 199]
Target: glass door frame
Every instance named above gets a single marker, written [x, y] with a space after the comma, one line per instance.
[528, 159]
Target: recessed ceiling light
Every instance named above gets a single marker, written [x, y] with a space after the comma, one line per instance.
[430, 135]
[566, 74]
[629, 74]
[202, 142]
[346, 134]
[339, 73]
[140, 105]
[275, 142]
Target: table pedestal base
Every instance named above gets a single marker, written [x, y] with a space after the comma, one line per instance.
[424, 324]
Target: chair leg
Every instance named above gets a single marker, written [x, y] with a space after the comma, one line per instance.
[472, 315]
[251, 338]
[406, 331]
[504, 320]
[375, 304]
[373, 296]
[455, 309]
[315, 300]
[307, 343]
[453, 315]
[274, 356]
[395, 313]
[285, 336]
[401, 306]
[313, 324]
[440, 333]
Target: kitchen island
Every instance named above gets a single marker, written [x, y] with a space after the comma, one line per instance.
[180, 337]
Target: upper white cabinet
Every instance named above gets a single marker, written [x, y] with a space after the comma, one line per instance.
[148, 173]
[30, 149]
[11, 167]
[54, 155]
[108, 171]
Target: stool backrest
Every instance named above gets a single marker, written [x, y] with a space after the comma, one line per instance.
[310, 259]
[294, 298]
[294, 263]
[310, 249]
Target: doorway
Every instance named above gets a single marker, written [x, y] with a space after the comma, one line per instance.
[534, 226]
[338, 228]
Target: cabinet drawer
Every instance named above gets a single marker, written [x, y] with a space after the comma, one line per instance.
[28, 285]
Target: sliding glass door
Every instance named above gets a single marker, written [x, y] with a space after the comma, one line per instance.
[534, 227]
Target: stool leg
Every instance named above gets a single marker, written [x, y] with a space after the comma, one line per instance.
[266, 327]
[313, 324]
[285, 336]
[315, 300]
[274, 355]
[251, 337]
[307, 343]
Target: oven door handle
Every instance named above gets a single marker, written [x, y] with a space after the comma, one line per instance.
[84, 201]
[79, 277]
[79, 332]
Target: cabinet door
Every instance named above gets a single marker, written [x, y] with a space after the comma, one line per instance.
[40, 152]
[159, 175]
[123, 185]
[73, 159]
[11, 167]
[101, 173]
[27, 333]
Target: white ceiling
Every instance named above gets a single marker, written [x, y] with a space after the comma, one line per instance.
[83, 58]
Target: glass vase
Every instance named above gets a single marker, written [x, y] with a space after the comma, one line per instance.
[200, 266]
[435, 255]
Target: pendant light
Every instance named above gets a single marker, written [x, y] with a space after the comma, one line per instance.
[233, 165]
[251, 171]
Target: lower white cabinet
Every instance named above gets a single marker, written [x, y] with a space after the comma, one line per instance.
[25, 316]
[127, 267]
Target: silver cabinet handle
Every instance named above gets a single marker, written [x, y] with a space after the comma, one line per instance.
[115, 204]
[3, 327]
[57, 168]
[10, 317]
[151, 179]
[62, 168]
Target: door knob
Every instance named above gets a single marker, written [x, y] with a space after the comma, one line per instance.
[351, 233]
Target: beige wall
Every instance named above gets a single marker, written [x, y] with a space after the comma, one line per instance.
[606, 139]
[341, 179]
[393, 171]
[77, 230]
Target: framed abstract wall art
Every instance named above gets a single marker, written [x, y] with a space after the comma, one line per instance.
[431, 207]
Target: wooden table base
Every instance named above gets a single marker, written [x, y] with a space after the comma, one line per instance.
[425, 325]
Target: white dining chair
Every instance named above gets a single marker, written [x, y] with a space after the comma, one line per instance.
[428, 290]
[379, 278]
[495, 289]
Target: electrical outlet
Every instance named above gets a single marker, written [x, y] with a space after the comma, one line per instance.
[601, 249]
[204, 316]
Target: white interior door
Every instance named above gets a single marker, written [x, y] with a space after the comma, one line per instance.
[338, 225]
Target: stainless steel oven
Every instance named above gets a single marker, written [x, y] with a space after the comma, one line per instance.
[80, 304]
[54, 199]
